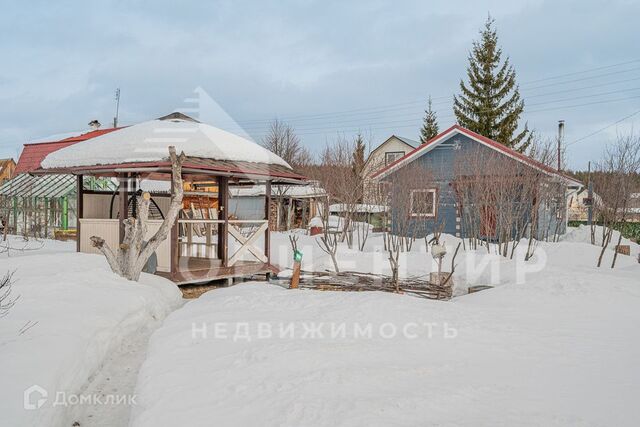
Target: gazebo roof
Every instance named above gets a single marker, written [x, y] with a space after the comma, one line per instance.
[144, 146]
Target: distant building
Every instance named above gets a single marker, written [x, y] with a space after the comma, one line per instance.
[292, 206]
[44, 205]
[392, 149]
[7, 169]
[633, 211]
[578, 204]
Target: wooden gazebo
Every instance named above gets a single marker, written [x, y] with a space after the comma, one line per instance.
[206, 242]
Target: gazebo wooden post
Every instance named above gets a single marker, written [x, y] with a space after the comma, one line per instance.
[174, 244]
[79, 209]
[124, 206]
[134, 201]
[267, 216]
[223, 227]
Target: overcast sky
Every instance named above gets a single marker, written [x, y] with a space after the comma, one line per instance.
[329, 68]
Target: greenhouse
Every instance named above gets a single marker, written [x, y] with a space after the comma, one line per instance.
[44, 206]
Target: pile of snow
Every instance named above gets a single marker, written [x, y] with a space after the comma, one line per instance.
[582, 234]
[556, 351]
[148, 141]
[71, 312]
[473, 267]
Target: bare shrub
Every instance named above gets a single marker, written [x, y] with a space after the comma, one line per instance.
[614, 181]
[6, 300]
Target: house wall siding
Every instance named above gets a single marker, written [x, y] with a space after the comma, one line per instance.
[442, 162]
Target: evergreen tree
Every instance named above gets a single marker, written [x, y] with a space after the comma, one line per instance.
[357, 168]
[490, 103]
[430, 126]
[358, 156]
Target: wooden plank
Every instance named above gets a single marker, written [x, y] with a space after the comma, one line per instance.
[79, 209]
[267, 216]
[207, 248]
[217, 273]
[174, 248]
[223, 235]
[124, 208]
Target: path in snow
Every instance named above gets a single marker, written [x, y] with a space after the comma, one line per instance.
[118, 377]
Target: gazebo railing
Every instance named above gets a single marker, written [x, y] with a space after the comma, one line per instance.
[200, 238]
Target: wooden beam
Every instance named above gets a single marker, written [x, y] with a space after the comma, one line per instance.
[174, 247]
[79, 209]
[124, 206]
[267, 216]
[223, 235]
[134, 212]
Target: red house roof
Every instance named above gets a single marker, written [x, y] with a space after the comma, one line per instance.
[424, 148]
[33, 154]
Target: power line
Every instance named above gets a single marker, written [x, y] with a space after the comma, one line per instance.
[575, 141]
[334, 124]
[582, 72]
[447, 98]
[397, 125]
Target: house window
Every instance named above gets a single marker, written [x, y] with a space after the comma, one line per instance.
[392, 156]
[423, 203]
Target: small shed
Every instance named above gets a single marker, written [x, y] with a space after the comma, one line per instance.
[206, 243]
[293, 205]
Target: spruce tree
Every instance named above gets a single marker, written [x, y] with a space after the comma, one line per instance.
[430, 126]
[490, 102]
[358, 156]
[357, 167]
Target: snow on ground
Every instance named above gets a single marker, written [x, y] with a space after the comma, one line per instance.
[582, 234]
[558, 350]
[553, 346]
[473, 267]
[71, 314]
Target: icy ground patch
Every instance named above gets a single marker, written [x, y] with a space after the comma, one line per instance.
[558, 350]
[71, 315]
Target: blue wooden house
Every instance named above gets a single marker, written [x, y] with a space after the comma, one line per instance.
[467, 185]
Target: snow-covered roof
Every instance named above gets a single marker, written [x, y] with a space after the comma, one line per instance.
[149, 141]
[294, 191]
[340, 207]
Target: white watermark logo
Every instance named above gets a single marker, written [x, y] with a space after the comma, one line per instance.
[250, 331]
[36, 396]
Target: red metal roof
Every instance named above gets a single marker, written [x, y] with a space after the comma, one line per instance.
[33, 154]
[493, 144]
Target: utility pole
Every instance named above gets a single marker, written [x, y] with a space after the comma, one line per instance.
[115, 118]
[560, 138]
[590, 196]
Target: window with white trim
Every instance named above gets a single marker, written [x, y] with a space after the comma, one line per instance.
[392, 156]
[423, 203]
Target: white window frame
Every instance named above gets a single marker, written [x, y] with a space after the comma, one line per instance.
[435, 203]
[397, 155]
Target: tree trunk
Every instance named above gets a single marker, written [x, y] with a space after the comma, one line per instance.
[133, 253]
